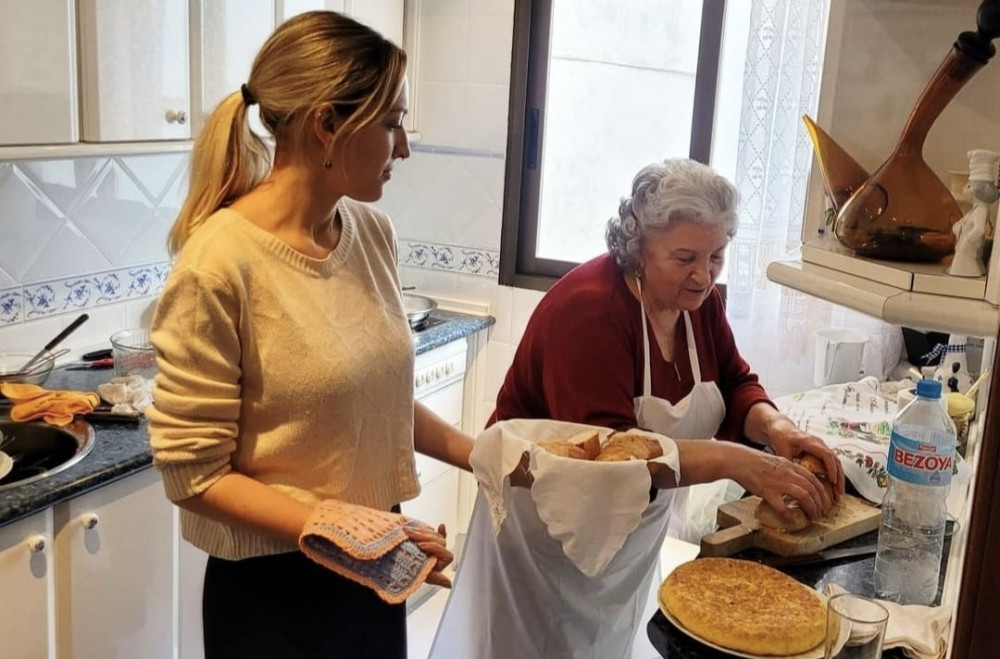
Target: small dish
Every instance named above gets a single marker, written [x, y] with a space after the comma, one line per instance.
[6, 464]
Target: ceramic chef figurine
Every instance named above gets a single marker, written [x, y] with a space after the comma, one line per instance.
[953, 369]
[970, 231]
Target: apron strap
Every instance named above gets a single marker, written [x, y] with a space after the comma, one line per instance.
[692, 348]
[647, 385]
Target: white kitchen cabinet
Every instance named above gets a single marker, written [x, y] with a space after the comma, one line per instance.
[383, 16]
[225, 38]
[190, 581]
[134, 78]
[27, 599]
[114, 549]
[38, 78]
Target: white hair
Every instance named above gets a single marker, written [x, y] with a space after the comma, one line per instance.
[676, 189]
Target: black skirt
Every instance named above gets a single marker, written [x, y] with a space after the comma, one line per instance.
[288, 607]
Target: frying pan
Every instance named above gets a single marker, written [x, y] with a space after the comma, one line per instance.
[418, 308]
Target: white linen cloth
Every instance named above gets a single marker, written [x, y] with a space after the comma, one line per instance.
[921, 632]
[855, 420]
[589, 507]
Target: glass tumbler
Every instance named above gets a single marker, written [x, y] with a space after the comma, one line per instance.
[133, 353]
[855, 627]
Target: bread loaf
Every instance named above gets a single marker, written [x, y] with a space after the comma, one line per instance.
[769, 517]
[632, 445]
[564, 448]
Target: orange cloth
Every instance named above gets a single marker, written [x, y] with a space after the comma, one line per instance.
[32, 402]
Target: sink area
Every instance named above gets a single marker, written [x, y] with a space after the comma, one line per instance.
[40, 450]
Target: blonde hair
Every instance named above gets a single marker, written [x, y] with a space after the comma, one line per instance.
[316, 61]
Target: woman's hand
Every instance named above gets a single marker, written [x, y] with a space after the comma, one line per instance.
[521, 476]
[786, 440]
[773, 478]
[434, 545]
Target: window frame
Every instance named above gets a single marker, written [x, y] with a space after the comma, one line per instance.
[519, 266]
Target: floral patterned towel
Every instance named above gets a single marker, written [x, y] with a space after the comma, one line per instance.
[367, 546]
[855, 421]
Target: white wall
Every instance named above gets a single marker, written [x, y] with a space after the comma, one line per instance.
[83, 235]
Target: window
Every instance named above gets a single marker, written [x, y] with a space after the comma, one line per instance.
[599, 88]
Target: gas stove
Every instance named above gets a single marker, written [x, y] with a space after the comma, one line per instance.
[427, 323]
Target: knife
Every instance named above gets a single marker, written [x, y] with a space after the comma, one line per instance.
[824, 556]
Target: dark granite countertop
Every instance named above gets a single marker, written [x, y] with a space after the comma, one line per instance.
[855, 574]
[121, 449]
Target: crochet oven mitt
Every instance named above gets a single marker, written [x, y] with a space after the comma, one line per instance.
[367, 546]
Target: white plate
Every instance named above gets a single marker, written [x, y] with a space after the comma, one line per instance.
[6, 464]
[815, 653]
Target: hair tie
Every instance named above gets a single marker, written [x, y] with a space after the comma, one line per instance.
[248, 98]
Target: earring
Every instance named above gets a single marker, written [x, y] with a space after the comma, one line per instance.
[327, 164]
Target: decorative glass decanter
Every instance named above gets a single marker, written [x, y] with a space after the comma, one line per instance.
[903, 212]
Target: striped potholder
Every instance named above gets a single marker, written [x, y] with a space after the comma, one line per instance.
[367, 546]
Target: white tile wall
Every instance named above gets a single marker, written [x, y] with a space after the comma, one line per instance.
[83, 234]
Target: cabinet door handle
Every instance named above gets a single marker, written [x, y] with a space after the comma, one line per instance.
[176, 116]
[36, 544]
[89, 521]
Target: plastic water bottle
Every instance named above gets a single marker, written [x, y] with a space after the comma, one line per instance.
[911, 532]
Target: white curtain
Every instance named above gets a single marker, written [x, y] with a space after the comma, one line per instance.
[774, 325]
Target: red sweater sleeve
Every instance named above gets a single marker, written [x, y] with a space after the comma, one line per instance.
[577, 357]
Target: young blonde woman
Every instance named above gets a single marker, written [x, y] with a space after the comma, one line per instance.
[285, 359]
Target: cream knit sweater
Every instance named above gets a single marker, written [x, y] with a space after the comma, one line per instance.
[294, 371]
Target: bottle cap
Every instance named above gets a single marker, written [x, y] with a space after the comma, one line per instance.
[928, 388]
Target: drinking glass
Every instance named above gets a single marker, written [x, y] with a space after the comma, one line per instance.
[855, 627]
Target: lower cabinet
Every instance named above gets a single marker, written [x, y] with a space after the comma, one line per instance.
[114, 550]
[27, 588]
[94, 578]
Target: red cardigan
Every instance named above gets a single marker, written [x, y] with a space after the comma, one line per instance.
[581, 357]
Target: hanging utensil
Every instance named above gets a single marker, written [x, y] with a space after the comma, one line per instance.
[80, 320]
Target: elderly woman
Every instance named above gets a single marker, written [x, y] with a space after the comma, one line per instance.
[637, 337]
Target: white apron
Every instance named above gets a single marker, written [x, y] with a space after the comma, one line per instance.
[517, 596]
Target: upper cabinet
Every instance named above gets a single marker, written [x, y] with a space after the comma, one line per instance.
[38, 72]
[134, 80]
[225, 38]
[383, 16]
[149, 70]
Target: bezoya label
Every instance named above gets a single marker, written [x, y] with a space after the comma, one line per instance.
[928, 460]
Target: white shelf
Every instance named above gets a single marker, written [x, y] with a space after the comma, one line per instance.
[862, 291]
[916, 277]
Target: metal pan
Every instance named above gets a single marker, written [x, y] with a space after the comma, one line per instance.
[418, 308]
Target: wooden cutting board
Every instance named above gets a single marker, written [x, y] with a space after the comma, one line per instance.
[739, 529]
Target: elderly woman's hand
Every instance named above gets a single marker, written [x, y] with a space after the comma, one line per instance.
[774, 478]
[787, 441]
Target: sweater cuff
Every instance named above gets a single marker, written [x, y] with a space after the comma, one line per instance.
[185, 480]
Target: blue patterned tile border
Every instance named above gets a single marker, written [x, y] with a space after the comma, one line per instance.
[451, 258]
[48, 298]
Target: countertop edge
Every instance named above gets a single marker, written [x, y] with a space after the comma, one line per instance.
[123, 450]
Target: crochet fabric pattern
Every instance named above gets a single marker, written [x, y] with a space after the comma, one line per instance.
[367, 546]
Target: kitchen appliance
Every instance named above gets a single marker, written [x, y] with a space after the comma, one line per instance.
[838, 356]
[740, 529]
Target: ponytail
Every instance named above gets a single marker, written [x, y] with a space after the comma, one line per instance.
[227, 161]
